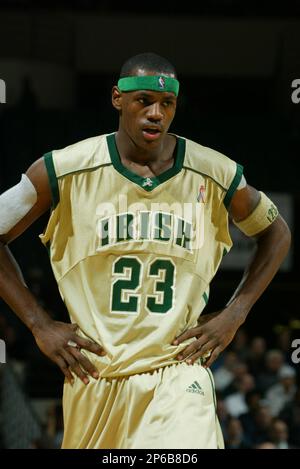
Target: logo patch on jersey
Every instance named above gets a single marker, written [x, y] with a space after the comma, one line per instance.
[201, 194]
[147, 182]
[195, 388]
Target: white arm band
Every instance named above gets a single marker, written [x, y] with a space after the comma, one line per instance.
[242, 183]
[15, 203]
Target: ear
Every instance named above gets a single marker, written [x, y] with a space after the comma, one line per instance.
[116, 98]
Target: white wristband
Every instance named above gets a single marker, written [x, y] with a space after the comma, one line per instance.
[242, 183]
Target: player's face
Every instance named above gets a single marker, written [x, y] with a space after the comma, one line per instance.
[145, 116]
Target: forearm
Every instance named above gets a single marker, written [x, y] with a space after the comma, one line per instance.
[271, 249]
[15, 293]
[53, 338]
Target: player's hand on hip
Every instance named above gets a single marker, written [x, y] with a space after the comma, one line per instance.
[212, 335]
[59, 342]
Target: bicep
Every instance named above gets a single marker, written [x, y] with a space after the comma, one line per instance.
[37, 174]
[243, 202]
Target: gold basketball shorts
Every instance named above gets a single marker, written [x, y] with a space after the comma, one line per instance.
[169, 407]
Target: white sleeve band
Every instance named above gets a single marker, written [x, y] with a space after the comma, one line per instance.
[15, 203]
[242, 183]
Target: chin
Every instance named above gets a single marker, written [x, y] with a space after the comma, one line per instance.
[152, 145]
[148, 143]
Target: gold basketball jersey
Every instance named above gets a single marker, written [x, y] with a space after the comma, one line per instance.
[133, 257]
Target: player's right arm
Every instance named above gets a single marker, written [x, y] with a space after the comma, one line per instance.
[51, 336]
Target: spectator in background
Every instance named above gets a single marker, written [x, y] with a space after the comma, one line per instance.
[273, 362]
[236, 403]
[290, 414]
[279, 434]
[259, 433]
[283, 392]
[265, 445]
[256, 355]
[253, 400]
[239, 369]
[235, 435]
[224, 375]
[239, 344]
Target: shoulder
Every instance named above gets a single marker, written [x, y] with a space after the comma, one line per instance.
[215, 165]
[86, 154]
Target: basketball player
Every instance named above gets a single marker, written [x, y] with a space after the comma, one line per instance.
[138, 228]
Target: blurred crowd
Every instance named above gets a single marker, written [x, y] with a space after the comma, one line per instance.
[258, 397]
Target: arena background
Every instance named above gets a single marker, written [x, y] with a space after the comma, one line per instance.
[236, 64]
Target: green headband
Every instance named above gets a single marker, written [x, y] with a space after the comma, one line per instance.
[149, 82]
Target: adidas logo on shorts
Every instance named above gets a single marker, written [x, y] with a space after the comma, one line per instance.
[195, 388]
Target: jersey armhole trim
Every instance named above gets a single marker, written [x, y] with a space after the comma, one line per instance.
[48, 158]
[233, 186]
[205, 297]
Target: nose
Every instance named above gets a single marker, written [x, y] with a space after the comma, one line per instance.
[154, 112]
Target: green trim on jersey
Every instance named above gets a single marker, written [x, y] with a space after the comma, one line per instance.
[48, 246]
[48, 158]
[205, 297]
[212, 387]
[147, 183]
[93, 168]
[235, 182]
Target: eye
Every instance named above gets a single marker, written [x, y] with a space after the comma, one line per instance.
[167, 103]
[144, 101]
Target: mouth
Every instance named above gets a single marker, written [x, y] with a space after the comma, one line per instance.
[151, 133]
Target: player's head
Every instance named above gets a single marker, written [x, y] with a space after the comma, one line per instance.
[146, 98]
[147, 62]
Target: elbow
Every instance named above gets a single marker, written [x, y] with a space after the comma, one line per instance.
[284, 233]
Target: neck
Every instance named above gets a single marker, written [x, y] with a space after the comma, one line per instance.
[130, 151]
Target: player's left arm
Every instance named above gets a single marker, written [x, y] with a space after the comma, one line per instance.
[257, 217]
[272, 245]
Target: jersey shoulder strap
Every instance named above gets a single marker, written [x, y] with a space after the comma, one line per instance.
[81, 156]
[210, 163]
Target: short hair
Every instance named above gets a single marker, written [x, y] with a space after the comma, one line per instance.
[147, 61]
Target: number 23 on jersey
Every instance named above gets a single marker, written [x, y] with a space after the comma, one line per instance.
[129, 276]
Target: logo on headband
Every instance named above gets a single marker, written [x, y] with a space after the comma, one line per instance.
[161, 82]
